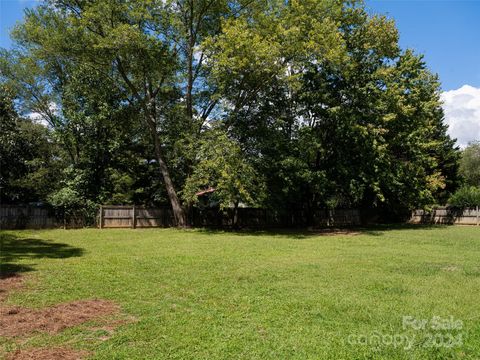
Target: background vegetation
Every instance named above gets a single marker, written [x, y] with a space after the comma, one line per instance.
[285, 104]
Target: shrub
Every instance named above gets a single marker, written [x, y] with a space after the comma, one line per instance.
[465, 197]
[73, 208]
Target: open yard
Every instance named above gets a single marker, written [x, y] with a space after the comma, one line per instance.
[172, 294]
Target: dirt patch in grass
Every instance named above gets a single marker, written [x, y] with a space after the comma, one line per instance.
[48, 354]
[450, 268]
[18, 321]
[8, 282]
[333, 231]
[107, 330]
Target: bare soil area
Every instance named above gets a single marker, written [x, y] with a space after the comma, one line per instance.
[16, 321]
[48, 354]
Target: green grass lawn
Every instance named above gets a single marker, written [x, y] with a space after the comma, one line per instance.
[218, 295]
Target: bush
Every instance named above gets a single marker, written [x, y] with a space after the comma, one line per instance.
[465, 197]
[73, 208]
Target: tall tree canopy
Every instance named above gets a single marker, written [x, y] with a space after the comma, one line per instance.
[352, 121]
[470, 164]
[29, 160]
[314, 97]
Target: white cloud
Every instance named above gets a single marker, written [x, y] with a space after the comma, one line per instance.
[462, 113]
[41, 117]
[37, 118]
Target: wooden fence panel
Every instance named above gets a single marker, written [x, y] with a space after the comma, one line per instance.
[148, 217]
[34, 217]
[26, 217]
[446, 216]
[346, 217]
[133, 217]
[140, 217]
[116, 216]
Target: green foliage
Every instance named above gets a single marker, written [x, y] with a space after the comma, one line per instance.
[359, 124]
[70, 202]
[465, 197]
[29, 160]
[148, 50]
[470, 164]
[316, 99]
[222, 166]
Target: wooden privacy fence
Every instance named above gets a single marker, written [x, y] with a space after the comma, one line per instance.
[39, 217]
[142, 217]
[443, 215]
[26, 217]
[34, 217]
[265, 218]
[134, 216]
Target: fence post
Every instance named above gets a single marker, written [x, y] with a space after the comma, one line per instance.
[134, 218]
[478, 216]
[100, 220]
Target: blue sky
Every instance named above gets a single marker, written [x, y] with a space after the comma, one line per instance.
[446, 32]
[11, 11]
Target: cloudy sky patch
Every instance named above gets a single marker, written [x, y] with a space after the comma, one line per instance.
[462, 113]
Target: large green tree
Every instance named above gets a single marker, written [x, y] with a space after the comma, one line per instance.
[345, 118]
[150, 49]
[470, 164]
[314, 96]
[29, 156]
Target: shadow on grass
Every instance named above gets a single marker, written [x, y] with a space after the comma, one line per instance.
[299, 233]
[14, 249]
[378, 230]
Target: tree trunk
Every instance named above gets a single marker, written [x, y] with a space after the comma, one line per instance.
[188, 95]
[235, 215]
[149, 104]
[190, 51]
[178, 211]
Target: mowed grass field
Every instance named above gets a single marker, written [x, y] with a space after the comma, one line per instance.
[198, 294]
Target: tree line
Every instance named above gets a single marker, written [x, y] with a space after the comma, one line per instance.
[270, 103]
